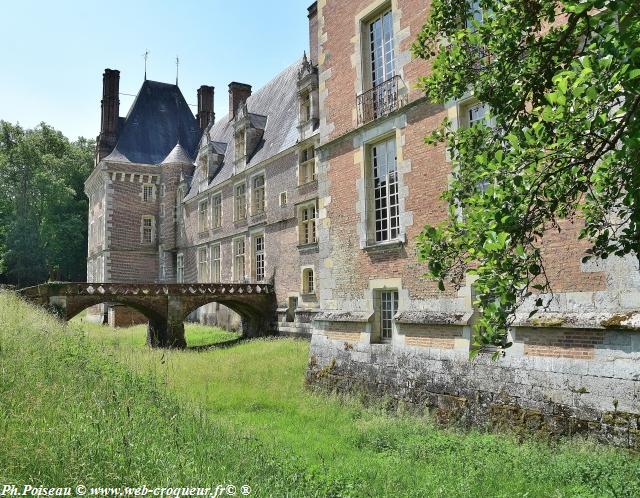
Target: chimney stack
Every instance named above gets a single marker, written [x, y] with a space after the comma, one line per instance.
[238, 94]
[110, 113]
[313, 32]
[205, 106]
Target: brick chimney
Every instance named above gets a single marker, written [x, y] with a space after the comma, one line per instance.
[313, 32]
[205, 106]
[238, 93]
[110, 113]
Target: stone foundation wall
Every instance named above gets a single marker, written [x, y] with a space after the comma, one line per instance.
[556, 396]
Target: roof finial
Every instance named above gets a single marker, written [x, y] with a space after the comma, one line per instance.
[177, 67]
[146, 56]
[304, 58]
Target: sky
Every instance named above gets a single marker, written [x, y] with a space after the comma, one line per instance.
[55, 52]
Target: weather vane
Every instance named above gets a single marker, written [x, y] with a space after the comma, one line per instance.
[146, 56]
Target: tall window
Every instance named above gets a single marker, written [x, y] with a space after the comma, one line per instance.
[216, 210]
[388, 308]
[258, 254]
[215, 263]
[307, 172]
[258, 195]
[178, 207]
[385, 191]
[147, 193]
[305, 107]
[307, 224]
[203, 216]
[238, 259]
[308, 283]
[163, 265]
[240, 203]
[381, 48]
[180, 268]
[203, 264]
[147, 229]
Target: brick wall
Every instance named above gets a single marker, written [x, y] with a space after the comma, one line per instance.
[561, 343]
[433, 336]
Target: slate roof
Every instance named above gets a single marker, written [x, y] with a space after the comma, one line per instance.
[158, 119]
[116, 155]
[273, 107]
[177, 155]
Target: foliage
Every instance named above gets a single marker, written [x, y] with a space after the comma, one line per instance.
[85, 404]
[562, 82]
[43, 210]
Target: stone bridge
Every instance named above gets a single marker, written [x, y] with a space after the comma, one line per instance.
[165, 305]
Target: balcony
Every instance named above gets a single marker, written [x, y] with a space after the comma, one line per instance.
[381, 100]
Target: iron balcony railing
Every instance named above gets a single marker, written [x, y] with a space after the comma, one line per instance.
[381, 100]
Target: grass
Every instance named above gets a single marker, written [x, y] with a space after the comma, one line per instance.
[84, 403]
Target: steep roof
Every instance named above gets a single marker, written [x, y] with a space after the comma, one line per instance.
[158, 119]
[177, 155]
[274, 108]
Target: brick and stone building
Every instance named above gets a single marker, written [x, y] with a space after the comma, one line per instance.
[320, 182]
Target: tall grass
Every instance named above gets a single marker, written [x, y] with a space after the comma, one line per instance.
[86, 404]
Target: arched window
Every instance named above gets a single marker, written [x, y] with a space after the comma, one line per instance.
[308, 281]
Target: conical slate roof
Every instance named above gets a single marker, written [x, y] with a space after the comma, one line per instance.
[177, 155]
[116, 155]
[158, 117]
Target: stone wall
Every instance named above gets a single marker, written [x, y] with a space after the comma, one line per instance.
[534, 394]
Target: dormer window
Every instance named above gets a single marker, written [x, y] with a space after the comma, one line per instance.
[305, 107]
[240, 145]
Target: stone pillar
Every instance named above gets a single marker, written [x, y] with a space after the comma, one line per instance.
[169, 332]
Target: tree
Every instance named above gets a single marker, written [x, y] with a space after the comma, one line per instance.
[43, 211]
[562, 82]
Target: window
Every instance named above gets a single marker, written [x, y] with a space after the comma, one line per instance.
[477, 113]
[163, 265]
[147, 229]
[238, 259]
[388, 309]
[215, 263]
[385, 191]
[161, 210]
[380, 38]
[216, 210]
[305, 107]
[308, 284]
[240, 147]
[147, 193]
[258, 195]
[307, 224]
[203, 216]
[178, 207]
[180, 268]
[283, 199]
[203, 264]
[307, 170]
[258, 255]
[163, 190]
[240, 203]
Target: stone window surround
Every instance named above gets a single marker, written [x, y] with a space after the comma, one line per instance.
[252, 178]
[299, 225]
[203, 263]
[282, 198]
[236, 215]
[306, 163]
[361, 51]
[252, 237]
[147, 217]
[180, 267]
[362, 142]
[304, 288]
[214, 195]
[213, 270]
[144, 197]
[203, 225]
[239, 278]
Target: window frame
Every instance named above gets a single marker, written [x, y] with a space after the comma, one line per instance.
[259, 258]
[239, 208]
[258, 194]
[204, 274]
[203, 215]
[152, 192]
[216, 262]
[216, 210]
[144, 227]
[370, 80]
[236, 256]
[180, 268]
[308, 277]
[374, 192]
[306, 163]
[304, 224]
